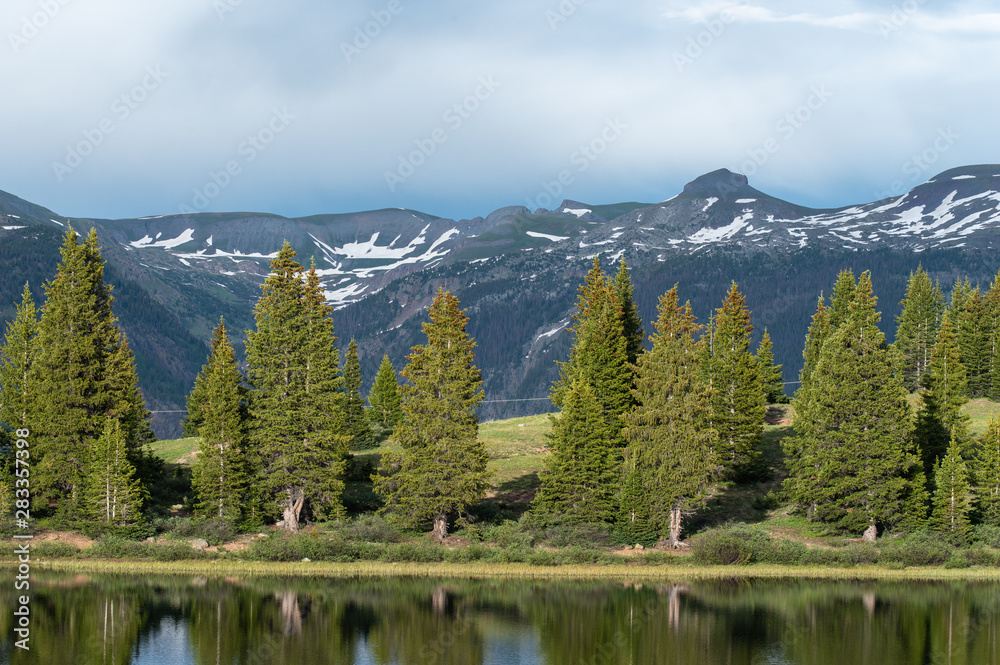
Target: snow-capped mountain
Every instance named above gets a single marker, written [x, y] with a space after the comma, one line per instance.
[516, 270]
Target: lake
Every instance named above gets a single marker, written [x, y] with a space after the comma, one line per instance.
[172, 620]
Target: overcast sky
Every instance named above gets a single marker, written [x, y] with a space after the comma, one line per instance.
[121, 109]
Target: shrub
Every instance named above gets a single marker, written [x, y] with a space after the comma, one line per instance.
[366, 529]
[988, 535]
[54, 550]
[215, 530]
[579, 535]
[734, 544]
[917, 549]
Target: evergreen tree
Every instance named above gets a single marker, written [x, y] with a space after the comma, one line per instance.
[771, 378]
[631, 322]
[951, 496]
[219, 476]
[599, 355]
[917, 326]
[355, 422]
[441, 470]
[992, 325]
[843, 294]
[634, 524]
[856, 464]
[114, 496]
[579, 483]
[384, 396]
[193, 420]
[944, 387]
[988, 474]
[974, 342]
[16, 356]
[671, 454]
[819, 330]
[297, 403]
[738, 400]
[84, 372]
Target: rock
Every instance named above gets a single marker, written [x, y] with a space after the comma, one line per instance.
[639, 547]
[199, 544]
[869, 535]
[306, 560]
[151, 539]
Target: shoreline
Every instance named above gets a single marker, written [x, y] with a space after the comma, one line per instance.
[502, 571]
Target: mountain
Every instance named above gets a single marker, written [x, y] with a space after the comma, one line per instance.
[515, 270]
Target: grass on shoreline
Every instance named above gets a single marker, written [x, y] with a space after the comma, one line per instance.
[499, 571]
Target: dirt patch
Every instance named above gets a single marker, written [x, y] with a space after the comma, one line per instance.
[777, 415]
[187, 460]
[79, 541]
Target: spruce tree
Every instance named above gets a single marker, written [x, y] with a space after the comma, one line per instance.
[992, 325]
[843, 294]
[738, 400]
[114, 495]
[988, 474]
[856, 463]
[671, 455]
[579, 484]
[355, 422]
[84, 372]
[441, 470]
[917, 326]
[974, 342]
[771, 378]
[819, 330]
[297, 403]
[631, 321]
[16, 357]
[219, 475]
[944, 386]
[952, 501]
[384, 397]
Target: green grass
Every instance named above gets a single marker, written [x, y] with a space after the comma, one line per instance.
[980, 411]
[172, 450]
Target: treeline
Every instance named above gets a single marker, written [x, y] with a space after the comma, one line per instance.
[643, 433]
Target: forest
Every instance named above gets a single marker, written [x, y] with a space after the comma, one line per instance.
[645, 428]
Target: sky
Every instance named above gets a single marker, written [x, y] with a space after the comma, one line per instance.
[116, 109]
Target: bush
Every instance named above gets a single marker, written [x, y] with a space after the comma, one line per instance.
[579, 535]
[917, 549]
[415, 552]
[215, 530]
[988, 535]
[367, 529]
[735, 544]
[859, 554]
[116, 547]
[54, 550]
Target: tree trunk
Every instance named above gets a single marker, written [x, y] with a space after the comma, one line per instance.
[440, 529]
[293, 507]
[674, 540]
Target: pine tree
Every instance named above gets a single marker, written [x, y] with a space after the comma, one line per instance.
[944, 385]
[819, 330]
[918, 324]
[355, 422]
[952, 496]
[974, 340]
[384, 397]
[856, 463]
[992, 325]
[579, 483]
[599, 355]
[631, 322]
[84, 372]
[114, 496]
[988, 474]
[634, 524]
[843, 294]
[297, 404]
[771, 378]
[219, 476]
[16, 357]
[738, 400]
[671, 454]
[441, 470]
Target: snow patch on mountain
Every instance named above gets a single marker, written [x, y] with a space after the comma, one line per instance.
[146, 242]
[579, 212]
[703, 236]
[546, 236]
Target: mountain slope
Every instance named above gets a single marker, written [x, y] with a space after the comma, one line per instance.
[516, 270]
